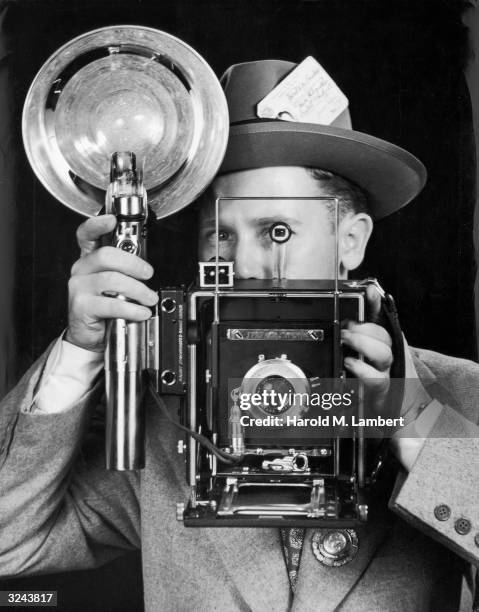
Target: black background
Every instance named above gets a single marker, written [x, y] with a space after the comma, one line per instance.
[399, 62]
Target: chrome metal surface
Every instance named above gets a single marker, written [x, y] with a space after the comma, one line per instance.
[125, 348]
[307, 335]
[153, 340]
[317, 507]
[290, 463]
[124, 361]
[268, 373]
[125, 88]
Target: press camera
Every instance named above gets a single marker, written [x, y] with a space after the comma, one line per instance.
[258, 365]
[246, 358]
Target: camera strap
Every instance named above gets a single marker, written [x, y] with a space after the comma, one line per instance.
[390, 319]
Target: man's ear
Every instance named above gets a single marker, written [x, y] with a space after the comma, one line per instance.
[354, 233]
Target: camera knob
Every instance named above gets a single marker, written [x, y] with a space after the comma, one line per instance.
[129, 246]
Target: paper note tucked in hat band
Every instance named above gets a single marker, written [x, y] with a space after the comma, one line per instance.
[390, 176]
[309, 95]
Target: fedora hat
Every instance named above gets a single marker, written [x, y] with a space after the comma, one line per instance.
[390, 176]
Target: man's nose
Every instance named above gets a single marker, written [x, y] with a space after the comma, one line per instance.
[250, 261]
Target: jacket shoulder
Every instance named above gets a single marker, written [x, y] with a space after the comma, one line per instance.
[459, 377]
[439, 363]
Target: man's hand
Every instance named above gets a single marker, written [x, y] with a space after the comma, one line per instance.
[374, 343]
[102, 269]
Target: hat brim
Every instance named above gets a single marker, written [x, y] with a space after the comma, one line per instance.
[390, 176]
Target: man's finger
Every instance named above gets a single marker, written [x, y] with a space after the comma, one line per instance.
[90, 232]
[375, 351]
[370, 329]
[374, 380]
[125, 285]
[110, 259]
[96, 308]
[112, 282]
[376, 384]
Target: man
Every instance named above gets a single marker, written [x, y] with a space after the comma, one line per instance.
[61, 510]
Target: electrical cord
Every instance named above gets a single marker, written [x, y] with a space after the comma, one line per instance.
[203, 440]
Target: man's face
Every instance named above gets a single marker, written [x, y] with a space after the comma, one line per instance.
[244, 225]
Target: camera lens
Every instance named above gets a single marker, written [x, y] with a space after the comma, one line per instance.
[274, 391]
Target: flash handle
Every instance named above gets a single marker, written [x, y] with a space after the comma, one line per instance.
[125, 358]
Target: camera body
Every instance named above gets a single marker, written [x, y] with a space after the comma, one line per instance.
[246, 359]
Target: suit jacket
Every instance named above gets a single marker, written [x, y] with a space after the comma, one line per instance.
[60, 510]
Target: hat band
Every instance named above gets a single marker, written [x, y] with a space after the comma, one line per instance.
[254, 120]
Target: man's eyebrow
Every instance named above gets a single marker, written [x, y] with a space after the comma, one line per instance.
[211, 223]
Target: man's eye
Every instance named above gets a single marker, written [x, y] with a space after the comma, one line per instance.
[223, 236]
